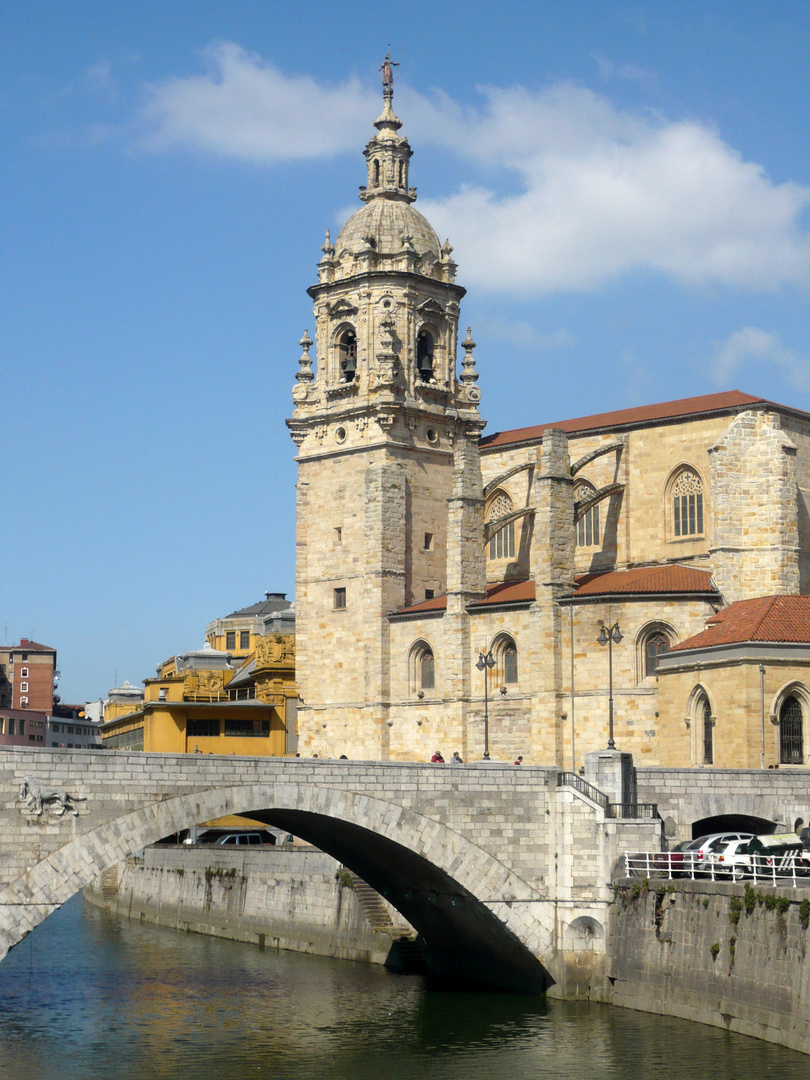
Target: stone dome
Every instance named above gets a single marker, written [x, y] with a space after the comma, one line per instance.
[387, 220]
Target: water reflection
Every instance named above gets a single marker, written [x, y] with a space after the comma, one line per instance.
[88, 995]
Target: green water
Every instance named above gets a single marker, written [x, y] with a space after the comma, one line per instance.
[89, 995]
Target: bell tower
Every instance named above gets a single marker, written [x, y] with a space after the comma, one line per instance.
[387, 436]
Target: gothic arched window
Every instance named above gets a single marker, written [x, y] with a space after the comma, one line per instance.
[655, 646]
[588, 524]
[791, 732]
[422, 667]
[347, 347]
[705, 715]
[376, 174]
[424, 356]
[502, 543]
[686, 503]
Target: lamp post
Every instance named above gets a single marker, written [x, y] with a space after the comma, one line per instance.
[607, 637]
[485, 662]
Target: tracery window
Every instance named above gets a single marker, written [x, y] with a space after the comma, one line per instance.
[502, 543]
[422, 667]
[588, 524]
[791, 732]
[656, 645]
[687, 504]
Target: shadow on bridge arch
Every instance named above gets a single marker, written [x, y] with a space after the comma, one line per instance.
[477, 919]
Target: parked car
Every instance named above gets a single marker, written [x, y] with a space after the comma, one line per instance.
[698, 855]
[237, 837]
[671, 861]
[729, 860]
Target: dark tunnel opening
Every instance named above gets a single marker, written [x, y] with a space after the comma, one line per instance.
[461, 938]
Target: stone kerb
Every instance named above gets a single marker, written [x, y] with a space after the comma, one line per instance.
[47, 885]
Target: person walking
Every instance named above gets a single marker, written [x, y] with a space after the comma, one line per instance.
[437, 758]
[456, 759]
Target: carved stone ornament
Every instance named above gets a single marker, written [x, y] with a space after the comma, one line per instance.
[35, 798]
[272, 650]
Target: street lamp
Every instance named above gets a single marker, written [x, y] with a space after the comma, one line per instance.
[607, 637]
[485, 662]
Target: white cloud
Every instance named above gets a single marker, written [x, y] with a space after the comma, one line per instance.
[600, 192]
[524, 336]
[247, 109]
[752, 347]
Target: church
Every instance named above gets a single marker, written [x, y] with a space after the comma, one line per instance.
[634, 579]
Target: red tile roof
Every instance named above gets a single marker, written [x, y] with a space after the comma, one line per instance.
[669, 578]
[776, 619]
[728, 401]
[29, 646]
[503, 592]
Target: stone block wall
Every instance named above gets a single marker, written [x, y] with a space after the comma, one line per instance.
[283, 898]
[693, 950]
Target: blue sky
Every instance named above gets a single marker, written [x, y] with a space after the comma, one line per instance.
[626, 186]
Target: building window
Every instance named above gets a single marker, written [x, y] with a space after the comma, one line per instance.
[347, 350]
[2, 726]
[427, 670]
[203, 727]
[502, 543]
[21, 724]
[230, 640]
[244, 639]
[588, 524]
[338, 535]
[247, 728]
[428, 541]
[340, 599]
[791, 733]
[24, 688]
[687, 504]
[510, 664]
[656, 645]
[429, 594]
[11, 725]
[708, 731]
[423, 668]
[424, 356]
[23, 703]
[24, 673]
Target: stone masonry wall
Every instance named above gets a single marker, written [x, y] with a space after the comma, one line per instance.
[283, 898]
[718, 954]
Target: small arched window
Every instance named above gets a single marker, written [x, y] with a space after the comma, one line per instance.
[502, 542]
[588, 524]
[791, 732]
[686, 499]
[376, 173]
[347, 348]
[422, 668]
[401, 173]
[705, 714]
[424, 356]
[656, 645]
[510, 664]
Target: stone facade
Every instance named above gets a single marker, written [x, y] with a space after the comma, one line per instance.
[423, 547]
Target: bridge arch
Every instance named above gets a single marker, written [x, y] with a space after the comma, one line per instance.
[479, 920]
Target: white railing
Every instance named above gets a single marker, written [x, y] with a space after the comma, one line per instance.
[783, 870]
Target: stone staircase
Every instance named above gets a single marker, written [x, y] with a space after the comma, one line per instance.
[406, 954]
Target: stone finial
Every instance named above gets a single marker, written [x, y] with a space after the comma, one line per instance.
[305, 372]
[468, 375]
[327, 247]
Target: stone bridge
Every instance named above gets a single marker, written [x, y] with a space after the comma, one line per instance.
[504, 874]
[695, 801]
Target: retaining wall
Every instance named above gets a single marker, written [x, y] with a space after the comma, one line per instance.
[284, 898]
[715, 953]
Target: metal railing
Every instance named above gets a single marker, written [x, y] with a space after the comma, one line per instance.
[791, 871]
[612, 809]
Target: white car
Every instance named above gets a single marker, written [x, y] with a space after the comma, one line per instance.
[699, 857]
[728, 859]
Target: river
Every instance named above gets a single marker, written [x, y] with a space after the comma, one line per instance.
[89, 995]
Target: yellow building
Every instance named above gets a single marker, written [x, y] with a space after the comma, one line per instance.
[212, 702]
